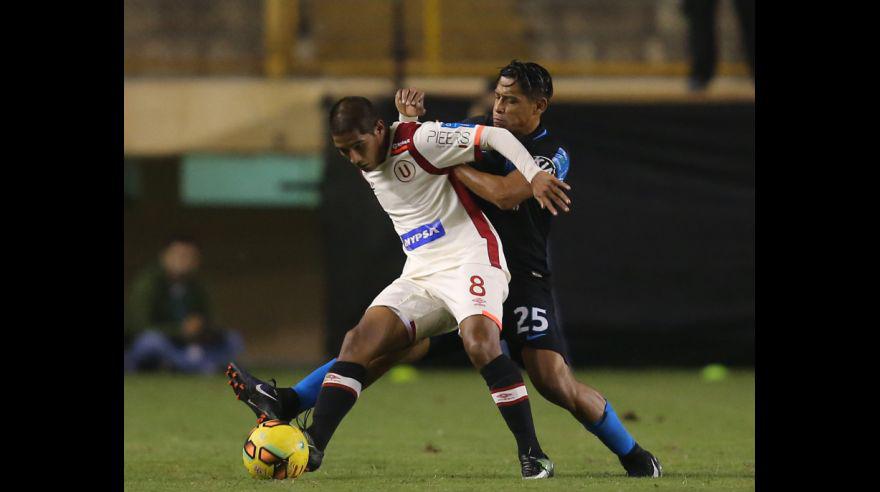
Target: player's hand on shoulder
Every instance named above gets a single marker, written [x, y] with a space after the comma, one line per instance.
[410, 102]
[548, 190]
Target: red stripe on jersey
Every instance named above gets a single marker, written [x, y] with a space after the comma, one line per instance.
[479, 220]
[464, 196]
[424, 163]
[402, 140]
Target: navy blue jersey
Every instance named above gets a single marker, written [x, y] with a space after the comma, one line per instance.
[525, 230]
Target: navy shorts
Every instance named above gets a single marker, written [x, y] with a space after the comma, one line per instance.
[531, 318]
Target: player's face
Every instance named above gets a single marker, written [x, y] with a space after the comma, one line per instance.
[364, 150]
[514, 111]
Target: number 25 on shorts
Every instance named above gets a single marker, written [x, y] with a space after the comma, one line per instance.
[538, 318]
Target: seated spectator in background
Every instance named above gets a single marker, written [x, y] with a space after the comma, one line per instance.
[169, 321]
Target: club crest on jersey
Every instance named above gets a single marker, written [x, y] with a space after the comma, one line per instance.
[404, 171]
[546, 164]
[422, 235]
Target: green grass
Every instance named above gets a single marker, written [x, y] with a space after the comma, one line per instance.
[185, 433]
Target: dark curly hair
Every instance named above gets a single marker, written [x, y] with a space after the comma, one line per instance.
[533, 79]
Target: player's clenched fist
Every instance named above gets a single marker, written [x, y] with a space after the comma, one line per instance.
[410, 102]
[547, 189]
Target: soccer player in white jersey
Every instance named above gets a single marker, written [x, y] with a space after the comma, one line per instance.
[455, 266]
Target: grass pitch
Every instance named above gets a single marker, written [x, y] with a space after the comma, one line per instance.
[442, 432]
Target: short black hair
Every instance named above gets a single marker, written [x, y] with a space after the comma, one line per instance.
[533, 79]
[353, 113]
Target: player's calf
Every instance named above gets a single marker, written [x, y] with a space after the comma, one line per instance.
[554, 381]
[339, 392]
[379, 332]
[481, 341]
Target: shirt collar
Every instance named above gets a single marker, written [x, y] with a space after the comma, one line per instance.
[538, 134]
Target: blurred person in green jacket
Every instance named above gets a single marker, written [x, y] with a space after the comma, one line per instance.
[168, 319]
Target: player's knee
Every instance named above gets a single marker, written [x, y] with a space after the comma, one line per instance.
[481, 349]
[482, 354]
[353, 344]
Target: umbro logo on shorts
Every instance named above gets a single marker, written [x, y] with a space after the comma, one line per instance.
[422, 235]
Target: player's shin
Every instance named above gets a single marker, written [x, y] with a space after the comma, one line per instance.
[509, 393]
[339, 391]
[610, 430]
[304, 394]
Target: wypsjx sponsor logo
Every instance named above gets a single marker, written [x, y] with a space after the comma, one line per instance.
[422, 235]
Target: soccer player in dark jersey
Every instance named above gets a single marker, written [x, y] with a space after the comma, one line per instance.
[531, 331]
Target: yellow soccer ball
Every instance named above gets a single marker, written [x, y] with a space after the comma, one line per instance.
[275, 450]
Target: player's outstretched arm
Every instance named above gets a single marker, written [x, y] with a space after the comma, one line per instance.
[505, 192]
[547, 189]
[450, 144]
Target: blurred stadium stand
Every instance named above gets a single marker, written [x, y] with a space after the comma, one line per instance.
[448, 37]
[249, 80]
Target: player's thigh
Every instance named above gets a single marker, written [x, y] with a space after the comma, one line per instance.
[475, 295]
[379, 331]
[472, 290]
[530, 320]
[421, 314]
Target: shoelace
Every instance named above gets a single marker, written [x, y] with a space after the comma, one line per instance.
[302, 419]
[529, 465]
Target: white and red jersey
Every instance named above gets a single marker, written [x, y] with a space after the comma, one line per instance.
[439, 224]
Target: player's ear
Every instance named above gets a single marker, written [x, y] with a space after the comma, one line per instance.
[541, 105]
[380, 127]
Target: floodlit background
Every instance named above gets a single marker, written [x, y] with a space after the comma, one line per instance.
[226, 142]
